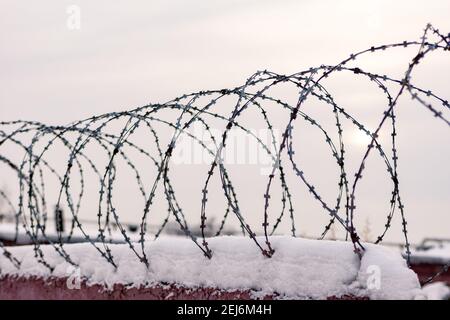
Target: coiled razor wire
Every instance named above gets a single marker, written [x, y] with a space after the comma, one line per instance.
[31, 211]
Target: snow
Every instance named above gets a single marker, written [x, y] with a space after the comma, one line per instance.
[437, 291]
[300, 268]
[396, 280]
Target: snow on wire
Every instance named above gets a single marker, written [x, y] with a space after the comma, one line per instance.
[30, 212]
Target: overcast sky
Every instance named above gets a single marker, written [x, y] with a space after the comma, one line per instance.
[128, 54]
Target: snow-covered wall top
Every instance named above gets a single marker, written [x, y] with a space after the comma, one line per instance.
[299, 268]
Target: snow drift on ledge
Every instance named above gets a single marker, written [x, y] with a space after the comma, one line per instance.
[299, 269]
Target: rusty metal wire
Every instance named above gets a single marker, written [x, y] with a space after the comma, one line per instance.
[36, 141]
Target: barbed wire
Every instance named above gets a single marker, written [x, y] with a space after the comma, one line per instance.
[36, 140]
